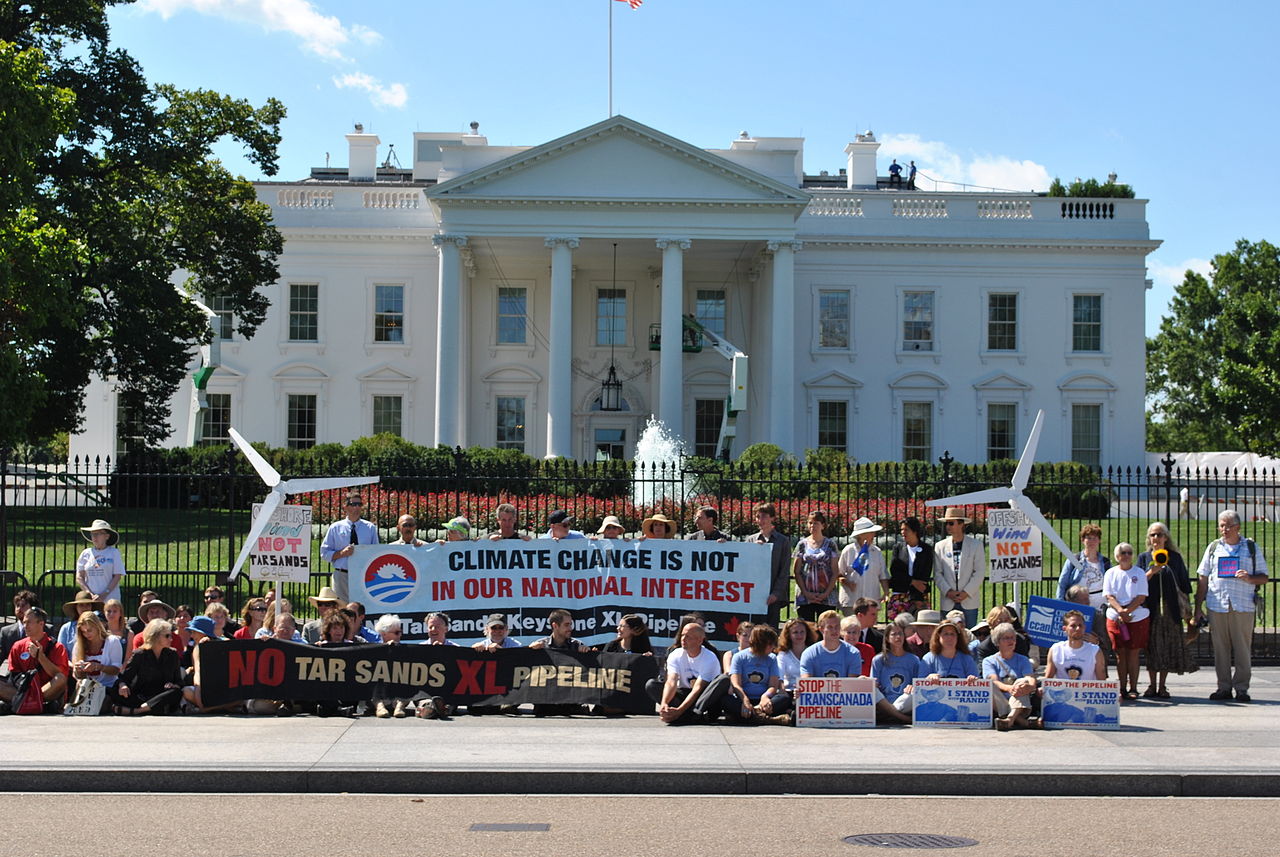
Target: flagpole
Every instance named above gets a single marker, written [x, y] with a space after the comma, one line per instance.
[610, 2]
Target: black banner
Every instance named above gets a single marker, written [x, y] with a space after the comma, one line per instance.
[230, 670]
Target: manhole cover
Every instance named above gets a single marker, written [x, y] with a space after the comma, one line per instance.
[509, 827]
[909, 840]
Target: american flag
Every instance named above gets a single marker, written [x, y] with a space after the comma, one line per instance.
[634, 4]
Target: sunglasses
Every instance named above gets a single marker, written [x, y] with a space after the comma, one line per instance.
[211, 596]
[257, 610]
[350, 505]
[1126, 553]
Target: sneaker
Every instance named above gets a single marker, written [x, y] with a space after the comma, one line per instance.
[382, 710]
[1243, 696]
[1220, 695]
[779, 719]
[399, 710]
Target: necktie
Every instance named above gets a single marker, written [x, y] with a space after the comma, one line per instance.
[354, 539]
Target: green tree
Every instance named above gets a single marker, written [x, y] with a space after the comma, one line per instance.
[1091, 188]
[1214, 368]
[109, 193]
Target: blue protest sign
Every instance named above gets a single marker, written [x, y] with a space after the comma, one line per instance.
[1044, 619]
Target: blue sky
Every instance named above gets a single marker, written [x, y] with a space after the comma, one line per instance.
[1171, 96]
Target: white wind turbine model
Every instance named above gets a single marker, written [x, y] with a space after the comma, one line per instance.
[1013, 494]
[279, 490]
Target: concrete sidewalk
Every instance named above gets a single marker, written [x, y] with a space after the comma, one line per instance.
[1186, 746]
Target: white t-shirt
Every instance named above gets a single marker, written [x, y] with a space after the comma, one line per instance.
[98, 567]
[705, 666]
[1091, 576]
[1125, 586]
[1074, 663]
[112, 655]
[789, 666]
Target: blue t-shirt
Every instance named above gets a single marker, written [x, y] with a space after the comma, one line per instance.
[756, 672]
[961, 666]
[1007, 671]
[894, 672]
[817, 662]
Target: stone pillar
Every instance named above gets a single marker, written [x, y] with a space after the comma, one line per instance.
[782, 336]
[560, 368]
[671, 355]
[448, 339]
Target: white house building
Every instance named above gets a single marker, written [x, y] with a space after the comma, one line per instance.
[472, 299]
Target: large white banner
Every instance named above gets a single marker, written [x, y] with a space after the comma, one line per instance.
[283, 551]
[599, 581]
[1016, 552]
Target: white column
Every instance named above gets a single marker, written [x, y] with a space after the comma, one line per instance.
[671, 355]
[782, 335]
[560, 368]
[448, 339]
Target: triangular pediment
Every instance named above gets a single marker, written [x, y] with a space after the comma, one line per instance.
[1002, 382]
[621, 160]
[833, 380]
[386, 374]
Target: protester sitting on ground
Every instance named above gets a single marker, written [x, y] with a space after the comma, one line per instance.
[797, 635]
[390, 631]
[658, 526]
[96, 655]
[221, 616]
[743, 634]
[456, 530]
[23, 600]
[100, 568]
[633, 637]
[157, 609]
[137, 623]
[407, 527]
[203, 629]
[559, 523]
[560, 639]
[325, 603]
[923, 624]
[893, 670]
[690, 670]
[945, 659]
[495, 635]
[610, 528]
[1125, 588]
[214, 595]
[1000, 615]
[757, 695]
[956, 617]
[40, 652]
[851, 632]
[117, 623]
[1078, 594]
[866, 611]
[438, 630]
[151, 683]
[84, 602]
[830, 657]
[360, 630]
[285, 628]
[182, 616]
[254, 616]
[1074, 658]
[334, 630]
[505, 516]
[1013, 680]
[271, 625]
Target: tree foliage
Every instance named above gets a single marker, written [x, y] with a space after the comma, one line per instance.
[109, 194]
[1091, 188]
[1214, 368]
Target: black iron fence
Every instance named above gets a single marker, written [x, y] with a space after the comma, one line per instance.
[181, 531]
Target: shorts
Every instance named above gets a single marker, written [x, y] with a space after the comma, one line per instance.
[1136, 637]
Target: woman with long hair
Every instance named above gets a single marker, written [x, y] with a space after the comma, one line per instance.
[814, 567]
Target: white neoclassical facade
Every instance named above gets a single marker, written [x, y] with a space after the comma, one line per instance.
[474, 299]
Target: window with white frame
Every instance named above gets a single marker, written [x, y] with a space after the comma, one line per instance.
[917, 321]
[1002, 430]
[833, 318]
[304, 312]
[510, 433]
[388, 415]
[302, 418]
[917, 431]
[216, 419]
[1086, 322]
[610, 444]
[513, 314]
[388, 312]
[611, 317]
[708, 415]
[709, 309]
[1002, 321]
[224, 320]
[833, 425]
[1086, 434]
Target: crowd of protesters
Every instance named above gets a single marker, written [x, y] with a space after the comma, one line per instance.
[101, 661]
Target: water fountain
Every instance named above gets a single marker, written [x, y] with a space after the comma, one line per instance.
[660, 455]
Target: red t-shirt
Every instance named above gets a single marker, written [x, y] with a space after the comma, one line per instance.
[243, 634]
[22, 659]
[176, 643]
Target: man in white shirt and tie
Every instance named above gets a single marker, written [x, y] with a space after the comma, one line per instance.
[341, 540]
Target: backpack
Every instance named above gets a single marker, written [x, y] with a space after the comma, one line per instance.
[29, 699]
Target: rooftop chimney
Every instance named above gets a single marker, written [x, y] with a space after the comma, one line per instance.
[862, 161]
[362, 158]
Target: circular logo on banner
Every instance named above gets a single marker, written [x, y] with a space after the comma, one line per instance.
[390, 578]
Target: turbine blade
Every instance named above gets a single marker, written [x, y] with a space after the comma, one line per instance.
[266, 471]
[1024, 505]
[303, 486]
[269, 504]
[975, 498]
[1023, 473]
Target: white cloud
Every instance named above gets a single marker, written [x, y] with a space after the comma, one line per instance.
[321, 34]
[1170, 276]
[391, 95]
[939, 161]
